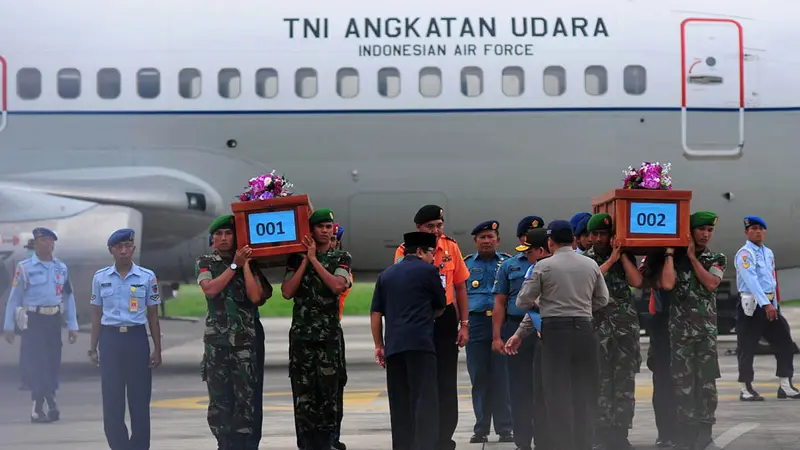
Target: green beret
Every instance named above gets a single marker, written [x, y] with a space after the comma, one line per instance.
[701, 218]
[599, 222]
[320, 216]
[220, 223]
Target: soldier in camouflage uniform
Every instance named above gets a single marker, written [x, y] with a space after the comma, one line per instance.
[693, 334]
[234, 288]
[617, 328]
[315, 280]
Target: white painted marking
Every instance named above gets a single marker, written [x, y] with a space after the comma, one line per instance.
[734, 433]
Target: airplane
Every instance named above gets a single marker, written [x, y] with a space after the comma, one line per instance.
[153, 115]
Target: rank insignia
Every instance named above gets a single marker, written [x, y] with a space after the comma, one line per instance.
[605, 221]
[475, 283]
[746, 222]
[535, 223]
[715, 220]
[494, 225]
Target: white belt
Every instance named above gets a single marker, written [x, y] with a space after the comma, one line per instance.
[44, 310]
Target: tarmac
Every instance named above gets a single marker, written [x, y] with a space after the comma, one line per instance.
[178, 413]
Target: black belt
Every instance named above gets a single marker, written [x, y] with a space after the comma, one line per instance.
[565, 319]
[481, 313]
[122, 329]
[515, 317]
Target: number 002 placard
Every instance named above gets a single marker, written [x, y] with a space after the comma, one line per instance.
[271, 227]
[653, 218]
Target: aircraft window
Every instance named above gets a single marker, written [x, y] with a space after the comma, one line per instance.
[347, 82]
[471, 81]
[595, 80]
[389, 82]
[109, 83]
[230, 83]
[305, 83]
[430, 82]
[29, 83]
[634, 80]
[513, 81]
[148, 82]
[190, 83]
[267, 83]
[555, 81]
[69, 83]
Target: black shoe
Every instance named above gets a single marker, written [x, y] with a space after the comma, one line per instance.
[664, 443]
[37, 413]
[52, 409]
[339, 445]
[783, 395]
[478, 438]
[506, 436]
[753, 397]
[704, 439]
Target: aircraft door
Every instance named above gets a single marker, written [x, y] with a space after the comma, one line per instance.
[713, 99]
[3, 93]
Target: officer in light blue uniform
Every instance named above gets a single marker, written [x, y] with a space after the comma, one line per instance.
[41, 297]
[758, 313]
[24, 357]
[520, 366]
[579, 223]
[487, 369]
[124, 299]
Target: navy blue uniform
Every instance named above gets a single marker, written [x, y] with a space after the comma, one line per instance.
[407, 295]
[487, 369]
[125, 352]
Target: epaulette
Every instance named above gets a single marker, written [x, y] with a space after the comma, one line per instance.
[102, 270]
[449, 238]
[505, 254]
[465, 258]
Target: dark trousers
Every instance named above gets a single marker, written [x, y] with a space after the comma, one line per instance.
[541, 436]
[749, 330]
[570, 378]
[125, 366]
[445, 333]
[41, 346]
[337, 432]
[658, 361]
[413, 400]
[489, 376]
[254, 439]
[520, 384]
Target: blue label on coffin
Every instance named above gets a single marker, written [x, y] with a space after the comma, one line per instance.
[653, 218]
[272, 227]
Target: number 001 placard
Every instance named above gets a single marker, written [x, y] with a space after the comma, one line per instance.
[654, 218]
[271, 227]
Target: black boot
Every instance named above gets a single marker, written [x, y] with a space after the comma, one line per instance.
[685, 437]
[621, 441]
[37, 413]
[52, 408]
[704, 441]
[603, 439]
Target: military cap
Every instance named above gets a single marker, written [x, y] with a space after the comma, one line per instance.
[321, 216]
[489, 225]
[534, 238]
[582, 227]
[754, 220]
[527, 223]
[222, 222]
[576, 220]
[125, 234]
[428, 213]
[339, 231]
[701, 218]
[419, 239]
[560, 231]
[44, 232]
[599, 222]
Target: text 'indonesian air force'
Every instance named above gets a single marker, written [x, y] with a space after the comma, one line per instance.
[399, 28]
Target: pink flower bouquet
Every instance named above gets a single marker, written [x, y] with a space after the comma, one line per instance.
[265, 187]
[650, 175]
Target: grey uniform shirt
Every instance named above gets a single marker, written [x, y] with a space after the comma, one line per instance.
[525, 327]
[566, 284]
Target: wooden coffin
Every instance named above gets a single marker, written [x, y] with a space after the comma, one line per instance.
[273, 228]
[646, 220]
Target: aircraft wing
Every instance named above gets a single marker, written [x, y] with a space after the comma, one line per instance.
[18, 204]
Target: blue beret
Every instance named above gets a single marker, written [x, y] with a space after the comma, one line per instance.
[576, 220]
[339, 231]
[485, 226]
[560, 231]
[118, 236]
[527, 223]
[583, 226]
[754, 220]
[44, 232]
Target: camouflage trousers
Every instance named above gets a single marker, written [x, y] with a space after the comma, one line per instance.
[230, 375]
[620, 359]
[695, 369]
[314, 368]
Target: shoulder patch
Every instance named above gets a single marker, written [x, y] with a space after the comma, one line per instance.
[465, 258]
[505, 254]
[449, 238]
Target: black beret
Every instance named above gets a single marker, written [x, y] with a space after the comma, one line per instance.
[489, 225]
[529, 222]
[428, 213]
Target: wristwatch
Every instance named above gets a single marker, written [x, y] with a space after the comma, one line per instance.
[465, 323]
[234, 266]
